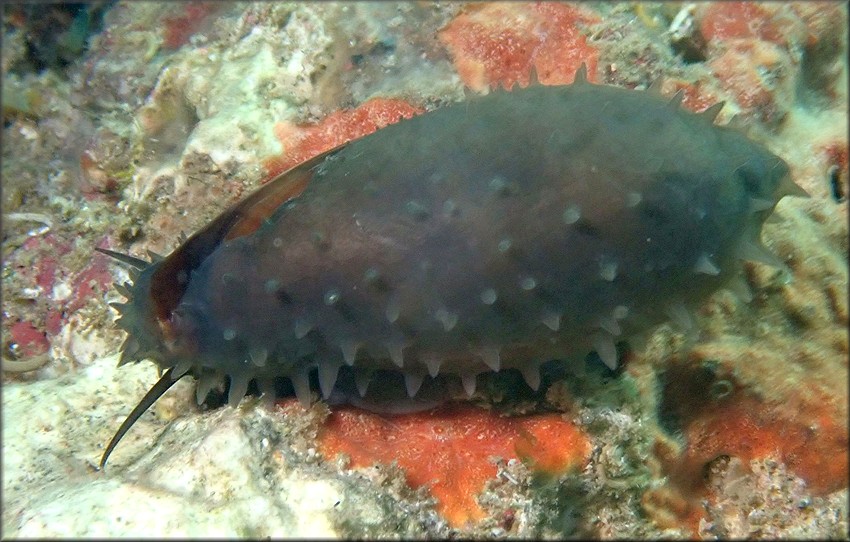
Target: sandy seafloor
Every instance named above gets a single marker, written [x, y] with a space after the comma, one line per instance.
[173, 111]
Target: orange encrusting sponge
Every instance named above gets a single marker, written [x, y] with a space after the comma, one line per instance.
[451, 450]
[302, 142]
[500, 43]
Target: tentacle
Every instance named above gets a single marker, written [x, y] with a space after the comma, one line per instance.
[162, 385]
[580, 76]
[138, 263]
